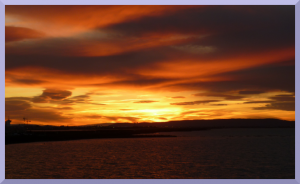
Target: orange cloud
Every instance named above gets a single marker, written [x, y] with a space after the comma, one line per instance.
[95, 47]
[204, 68]
[20, 33]
[49, 78]
[112, 47]
[71, 20]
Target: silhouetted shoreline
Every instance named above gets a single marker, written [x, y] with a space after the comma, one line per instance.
[34, 133]
[64, 135]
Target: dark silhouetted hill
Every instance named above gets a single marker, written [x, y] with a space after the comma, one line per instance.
[219, 123]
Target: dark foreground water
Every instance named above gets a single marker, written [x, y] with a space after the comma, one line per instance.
[220, 153]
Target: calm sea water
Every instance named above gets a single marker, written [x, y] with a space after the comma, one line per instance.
[220, 153]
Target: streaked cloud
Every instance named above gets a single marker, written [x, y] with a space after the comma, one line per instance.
[196, 49]
[250, 92]
[225, 96]
[145, 101]
[195, 102]
[20, 33]
[286, 106]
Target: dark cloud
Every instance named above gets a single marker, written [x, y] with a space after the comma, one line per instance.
[285, 106]
[283, 98]
[212, 17]
[218, 104]
[18, 107]
[271, 77]
[40, 99]
[64, 108]
[234, 28]
[118, 64]
[56, 94]
[18, 99]
[21, 33]
[28, 81]
[195, 102]
[225, 96]
[46, 115]
[267, 78]
[112, 118]
[263, 101]
[51, 95]
[63, 97]
[82, 99]
[145, 101]
[279, 102]
[13, 105]
[250, 92]
[138, 81]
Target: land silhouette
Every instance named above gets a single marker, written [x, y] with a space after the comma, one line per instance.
[24, 133]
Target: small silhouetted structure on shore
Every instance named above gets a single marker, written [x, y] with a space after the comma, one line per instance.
[7, 122]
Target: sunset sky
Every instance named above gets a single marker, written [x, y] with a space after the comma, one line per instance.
[75, 65]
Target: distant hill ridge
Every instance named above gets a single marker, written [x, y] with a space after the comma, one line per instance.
[219, 123]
